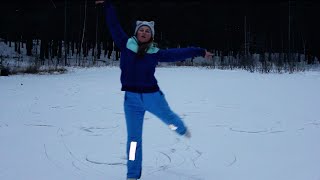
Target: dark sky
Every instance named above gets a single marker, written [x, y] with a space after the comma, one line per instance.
[216, 24]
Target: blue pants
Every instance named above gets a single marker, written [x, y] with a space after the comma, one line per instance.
[135, 106]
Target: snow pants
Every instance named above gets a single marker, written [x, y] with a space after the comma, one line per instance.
[135, 106]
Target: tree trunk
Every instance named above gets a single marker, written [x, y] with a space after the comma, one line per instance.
[72, 47]
[29, 46]
[59, 49]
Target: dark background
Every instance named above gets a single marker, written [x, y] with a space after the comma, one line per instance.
[215, 25]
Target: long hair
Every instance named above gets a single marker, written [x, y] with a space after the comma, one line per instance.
[143, 48]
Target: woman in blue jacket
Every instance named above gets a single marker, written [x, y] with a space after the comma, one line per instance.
[139, 58]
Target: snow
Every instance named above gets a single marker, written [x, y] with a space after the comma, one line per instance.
[245, 126]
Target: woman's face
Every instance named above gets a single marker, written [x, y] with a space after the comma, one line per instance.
[144, 34]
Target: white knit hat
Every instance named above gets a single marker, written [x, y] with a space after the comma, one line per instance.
[150, 24]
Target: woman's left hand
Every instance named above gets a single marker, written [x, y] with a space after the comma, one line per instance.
[208, 55]
[99, 1]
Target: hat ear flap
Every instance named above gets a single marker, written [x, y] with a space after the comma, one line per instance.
[138, 23]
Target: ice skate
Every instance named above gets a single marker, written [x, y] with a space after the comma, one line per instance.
[187, 134]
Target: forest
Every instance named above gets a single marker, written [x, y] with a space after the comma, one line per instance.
[281, 34]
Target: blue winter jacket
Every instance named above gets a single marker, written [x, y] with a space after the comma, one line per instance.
[137, 73]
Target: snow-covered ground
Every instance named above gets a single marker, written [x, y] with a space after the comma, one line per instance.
[245, 126]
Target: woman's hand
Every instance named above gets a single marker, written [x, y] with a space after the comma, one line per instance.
[208, 55]
[99, 1]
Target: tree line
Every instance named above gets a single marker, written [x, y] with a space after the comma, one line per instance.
[75, 34]
[39, 53]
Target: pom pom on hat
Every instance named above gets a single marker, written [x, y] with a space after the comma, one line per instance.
[150, 24]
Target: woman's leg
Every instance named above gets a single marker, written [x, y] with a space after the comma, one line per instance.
[156, 104]
[134, 113]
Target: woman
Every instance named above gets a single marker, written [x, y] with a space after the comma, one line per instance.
[139, 58]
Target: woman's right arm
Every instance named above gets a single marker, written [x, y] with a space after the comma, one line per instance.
[118, 35]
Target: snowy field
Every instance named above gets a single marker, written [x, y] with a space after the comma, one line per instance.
[245, 126]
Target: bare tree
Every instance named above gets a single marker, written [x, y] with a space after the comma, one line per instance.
[84, 26]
